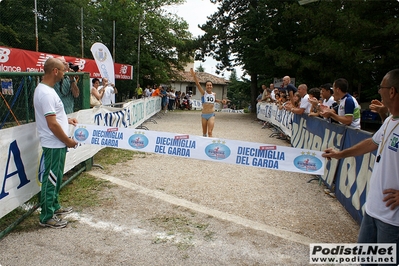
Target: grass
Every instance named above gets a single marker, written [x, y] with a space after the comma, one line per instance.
[86, 191]
[112, 156]
[82, 192]
[180, 230]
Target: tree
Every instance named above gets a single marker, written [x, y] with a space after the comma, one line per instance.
[200, 68]
[315, 43]
[239, 91]
[166, 43]
[238, 34]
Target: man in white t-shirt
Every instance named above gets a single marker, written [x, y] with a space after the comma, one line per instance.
[305, 105]
[380, 223]
[52, 127]
[109, 92]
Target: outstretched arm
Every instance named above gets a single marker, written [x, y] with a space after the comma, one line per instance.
[197, 81]
[361, 148]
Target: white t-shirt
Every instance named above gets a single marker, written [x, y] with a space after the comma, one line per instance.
[385, 173]
[329, 102]
[305, 104]
[146, 92]
[171, 95]
[47, 102]
[108, 95]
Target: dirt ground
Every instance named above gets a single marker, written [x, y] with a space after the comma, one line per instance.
[172, 211]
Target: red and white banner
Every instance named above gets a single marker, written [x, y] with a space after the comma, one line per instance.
[18, 60]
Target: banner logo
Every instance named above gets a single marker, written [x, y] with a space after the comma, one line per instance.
[394, 142]
[100, 55]
[138, 141]
[81, 134]
[217, 151]
[123, 70]
[4, 55]
[307, 162]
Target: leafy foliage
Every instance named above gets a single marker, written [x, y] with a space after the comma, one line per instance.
[239, 91]
[315, 43]
[165, 42]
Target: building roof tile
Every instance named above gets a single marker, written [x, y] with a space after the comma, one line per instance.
[202, 77]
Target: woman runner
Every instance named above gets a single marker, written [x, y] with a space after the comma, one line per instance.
[208, 100]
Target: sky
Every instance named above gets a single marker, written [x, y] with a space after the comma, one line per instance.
[195, 12]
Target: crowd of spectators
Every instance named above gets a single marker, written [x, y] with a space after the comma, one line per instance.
[332, 102]
[171, 99]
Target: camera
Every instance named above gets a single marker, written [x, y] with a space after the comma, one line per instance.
[73, 67]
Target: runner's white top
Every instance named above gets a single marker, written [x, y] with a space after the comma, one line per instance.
[208, 98]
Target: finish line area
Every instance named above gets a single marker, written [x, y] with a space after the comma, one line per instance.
[203, 148]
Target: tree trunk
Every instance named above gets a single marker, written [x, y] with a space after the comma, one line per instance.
[254, 92]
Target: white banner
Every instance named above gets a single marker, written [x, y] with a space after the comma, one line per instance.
[20, 148]
[282, 119]
[259, 155]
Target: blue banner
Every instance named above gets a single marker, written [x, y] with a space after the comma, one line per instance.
[318, 134]
[353, 175]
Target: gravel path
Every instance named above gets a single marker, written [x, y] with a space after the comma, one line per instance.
[176, 211]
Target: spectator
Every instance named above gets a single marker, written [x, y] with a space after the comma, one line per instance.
[139, 92]
[328, 100]
[156, 91]
[265, 94]
[327, 95]
[296, 102]
[177, 100]
[164, 95]
[273, 95]
[259, 98]
[109, 89]
[282, 101]
[304, 107]
[288, 87]
[53, 129]
[348, 111]
[171, 100]
[67, 89]
[380, 223]
[96, 95]
[314, 99]
[149, 91]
